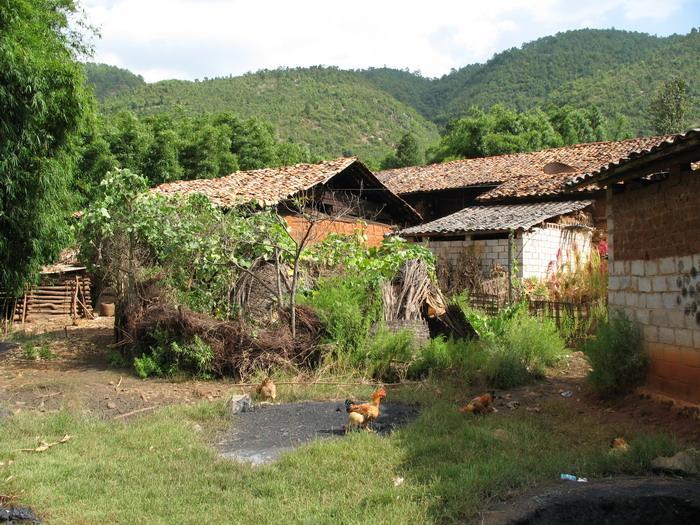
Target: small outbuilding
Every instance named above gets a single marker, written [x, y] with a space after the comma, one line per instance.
[653, 203]
[528, 236]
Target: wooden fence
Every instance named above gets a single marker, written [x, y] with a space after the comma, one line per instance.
[557, 311]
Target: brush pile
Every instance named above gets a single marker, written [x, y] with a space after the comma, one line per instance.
[414, 295]
[238, 348]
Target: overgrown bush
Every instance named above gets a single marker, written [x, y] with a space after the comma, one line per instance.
[447, 355]
[616, 356]
[168, 358]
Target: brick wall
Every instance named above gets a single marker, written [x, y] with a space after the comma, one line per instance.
[658, 220]
[543, 245]
[655, 276]
[372, 230]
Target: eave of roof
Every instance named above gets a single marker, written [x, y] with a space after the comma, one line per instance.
[496, 217]
[608, 172]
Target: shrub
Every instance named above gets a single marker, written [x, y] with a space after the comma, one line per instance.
[30, 352]
[167, 358]
[389, 354]
[462, 357]
[536, 342]
[616, 355]
[505, 369]
[45, 352]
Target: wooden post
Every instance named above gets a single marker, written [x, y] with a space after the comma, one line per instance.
[510, 267]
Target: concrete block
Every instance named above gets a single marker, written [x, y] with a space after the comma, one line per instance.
[650, 334]
[653, 300]
[630, 298]
[637, 268]
[684, 337]
[616, 298]
[644, 284]
[651, 267]
[685, 263]
[643, 316]
[618, 268]
[672, 284]
[676, 318]
[613, 283]
[696, 261]
[667, 336]
[241, 403]
[669, 300]
[659, 284]
[659, 317]
[667, 265]
[625, 282]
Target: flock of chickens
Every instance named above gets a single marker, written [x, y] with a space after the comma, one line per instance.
[362, 415]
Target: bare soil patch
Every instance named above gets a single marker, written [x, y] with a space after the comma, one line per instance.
[79, 376]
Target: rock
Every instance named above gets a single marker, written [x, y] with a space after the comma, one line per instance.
[197, 427]
[241, 403]
[111, 405]
[512, 404]
[684, 462]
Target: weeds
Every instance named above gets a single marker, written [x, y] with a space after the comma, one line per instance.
[616, 355]
[30, 352]
[45, 352]
[169, 358]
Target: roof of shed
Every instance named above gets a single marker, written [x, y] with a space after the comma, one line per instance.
[499, 217]
[270, 186]
[265, 187]
[518, 174]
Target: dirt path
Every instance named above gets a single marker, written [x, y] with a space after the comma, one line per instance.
[80, 378]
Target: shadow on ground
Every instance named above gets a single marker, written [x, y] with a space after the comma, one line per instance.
[261, 435]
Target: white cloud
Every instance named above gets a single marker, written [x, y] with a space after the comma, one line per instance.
[196, 38]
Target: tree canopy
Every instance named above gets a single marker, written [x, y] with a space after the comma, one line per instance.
[42, 105]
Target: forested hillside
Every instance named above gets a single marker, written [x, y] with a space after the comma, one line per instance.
[108, 81]
[367, 112]
[333, 112]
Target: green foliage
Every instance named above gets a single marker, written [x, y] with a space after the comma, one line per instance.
[45, 352]
[448, 356]
[407, 154]
[389, 354]
[501, 130]
[616, 355]
[30, 352]
[108, 81]
[669, 106]
[43, 102]
[169, 357]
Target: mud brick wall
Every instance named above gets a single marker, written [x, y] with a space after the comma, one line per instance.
[373, 231]
[655, 276]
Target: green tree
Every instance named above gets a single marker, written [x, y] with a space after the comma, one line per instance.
[407, 153]
[42, 103]
[669, 106]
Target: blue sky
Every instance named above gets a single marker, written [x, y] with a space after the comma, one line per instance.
[189, 39]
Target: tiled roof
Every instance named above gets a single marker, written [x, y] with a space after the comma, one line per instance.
[498, 217]
[607, 169]
[518, 174]
[265, 187]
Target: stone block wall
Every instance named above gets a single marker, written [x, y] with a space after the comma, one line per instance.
[655, 276]
[492, 252]
[542, 246]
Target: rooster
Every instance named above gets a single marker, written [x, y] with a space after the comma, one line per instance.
[267, 390]
[480, 404]
[362, 414]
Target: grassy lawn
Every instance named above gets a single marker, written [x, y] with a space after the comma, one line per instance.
[158, 469]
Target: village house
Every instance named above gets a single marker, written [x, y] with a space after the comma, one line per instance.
[653, 199]
[474, 205]
[343, 192]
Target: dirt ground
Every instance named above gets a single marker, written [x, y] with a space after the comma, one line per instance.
[80, 377]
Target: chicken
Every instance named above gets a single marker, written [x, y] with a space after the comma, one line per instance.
[360, 415]
[619, 445]
[267, 390]
[480, 404]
